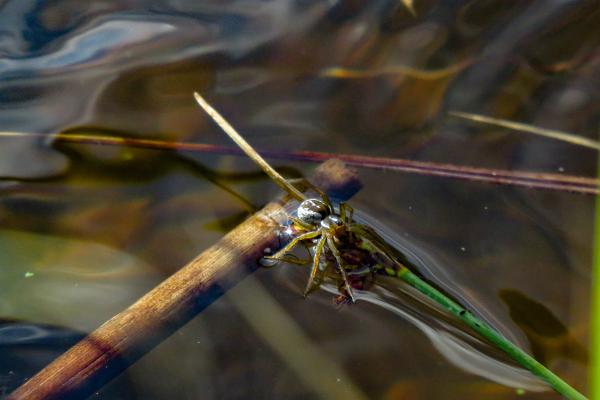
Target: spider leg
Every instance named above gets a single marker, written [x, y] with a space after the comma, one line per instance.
[286, 258]
[292, 244]
[340, 263]
[376, 243]
[315, 266]
[346, 212]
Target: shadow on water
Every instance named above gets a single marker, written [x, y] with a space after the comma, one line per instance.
[25, 348]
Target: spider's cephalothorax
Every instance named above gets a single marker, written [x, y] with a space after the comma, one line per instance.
[340, 248]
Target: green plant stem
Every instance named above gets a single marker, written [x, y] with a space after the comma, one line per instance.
[594, 377]
[490, 334]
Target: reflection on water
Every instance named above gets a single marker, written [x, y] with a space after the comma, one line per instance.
[85, 229]
[58, 281]
[26, 347]
[453, 344]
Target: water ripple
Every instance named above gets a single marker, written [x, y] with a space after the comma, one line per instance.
[435, 270]
[456, 346]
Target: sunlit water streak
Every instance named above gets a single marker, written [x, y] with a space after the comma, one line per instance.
[118, 42]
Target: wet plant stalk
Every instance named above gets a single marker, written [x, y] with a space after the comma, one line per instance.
[479, 326]
[594, 376]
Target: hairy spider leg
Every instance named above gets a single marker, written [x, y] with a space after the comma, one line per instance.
[290, 258]
[340, 263]
[375, 242]
[315, 266]
[281, 253]
[346, 213]
[287, 258]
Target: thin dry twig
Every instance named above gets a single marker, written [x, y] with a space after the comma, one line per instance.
[249, 150]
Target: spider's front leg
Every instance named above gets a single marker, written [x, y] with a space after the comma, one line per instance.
[281, 254]
[373, 242]
[310, 286]
[270, 261]
[346, 213]
[340, 262]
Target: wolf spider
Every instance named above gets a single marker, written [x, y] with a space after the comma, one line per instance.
[335, 240]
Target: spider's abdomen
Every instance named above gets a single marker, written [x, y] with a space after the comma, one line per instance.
[312, 211]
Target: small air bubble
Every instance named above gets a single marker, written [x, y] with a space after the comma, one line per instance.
[29, 274]
[561, 169]
[485, 208]
[288, 233]
[463, 248]
[268, 262]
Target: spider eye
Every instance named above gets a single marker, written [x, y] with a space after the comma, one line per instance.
[312, 211]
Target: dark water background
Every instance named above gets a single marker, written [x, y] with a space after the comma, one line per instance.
[85, 230]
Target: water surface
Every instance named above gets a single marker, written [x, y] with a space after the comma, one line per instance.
[85, 230]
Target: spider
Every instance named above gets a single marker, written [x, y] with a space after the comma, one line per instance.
[356, 251]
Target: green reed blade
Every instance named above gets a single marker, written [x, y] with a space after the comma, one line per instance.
[594, 377]
[482, 328]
